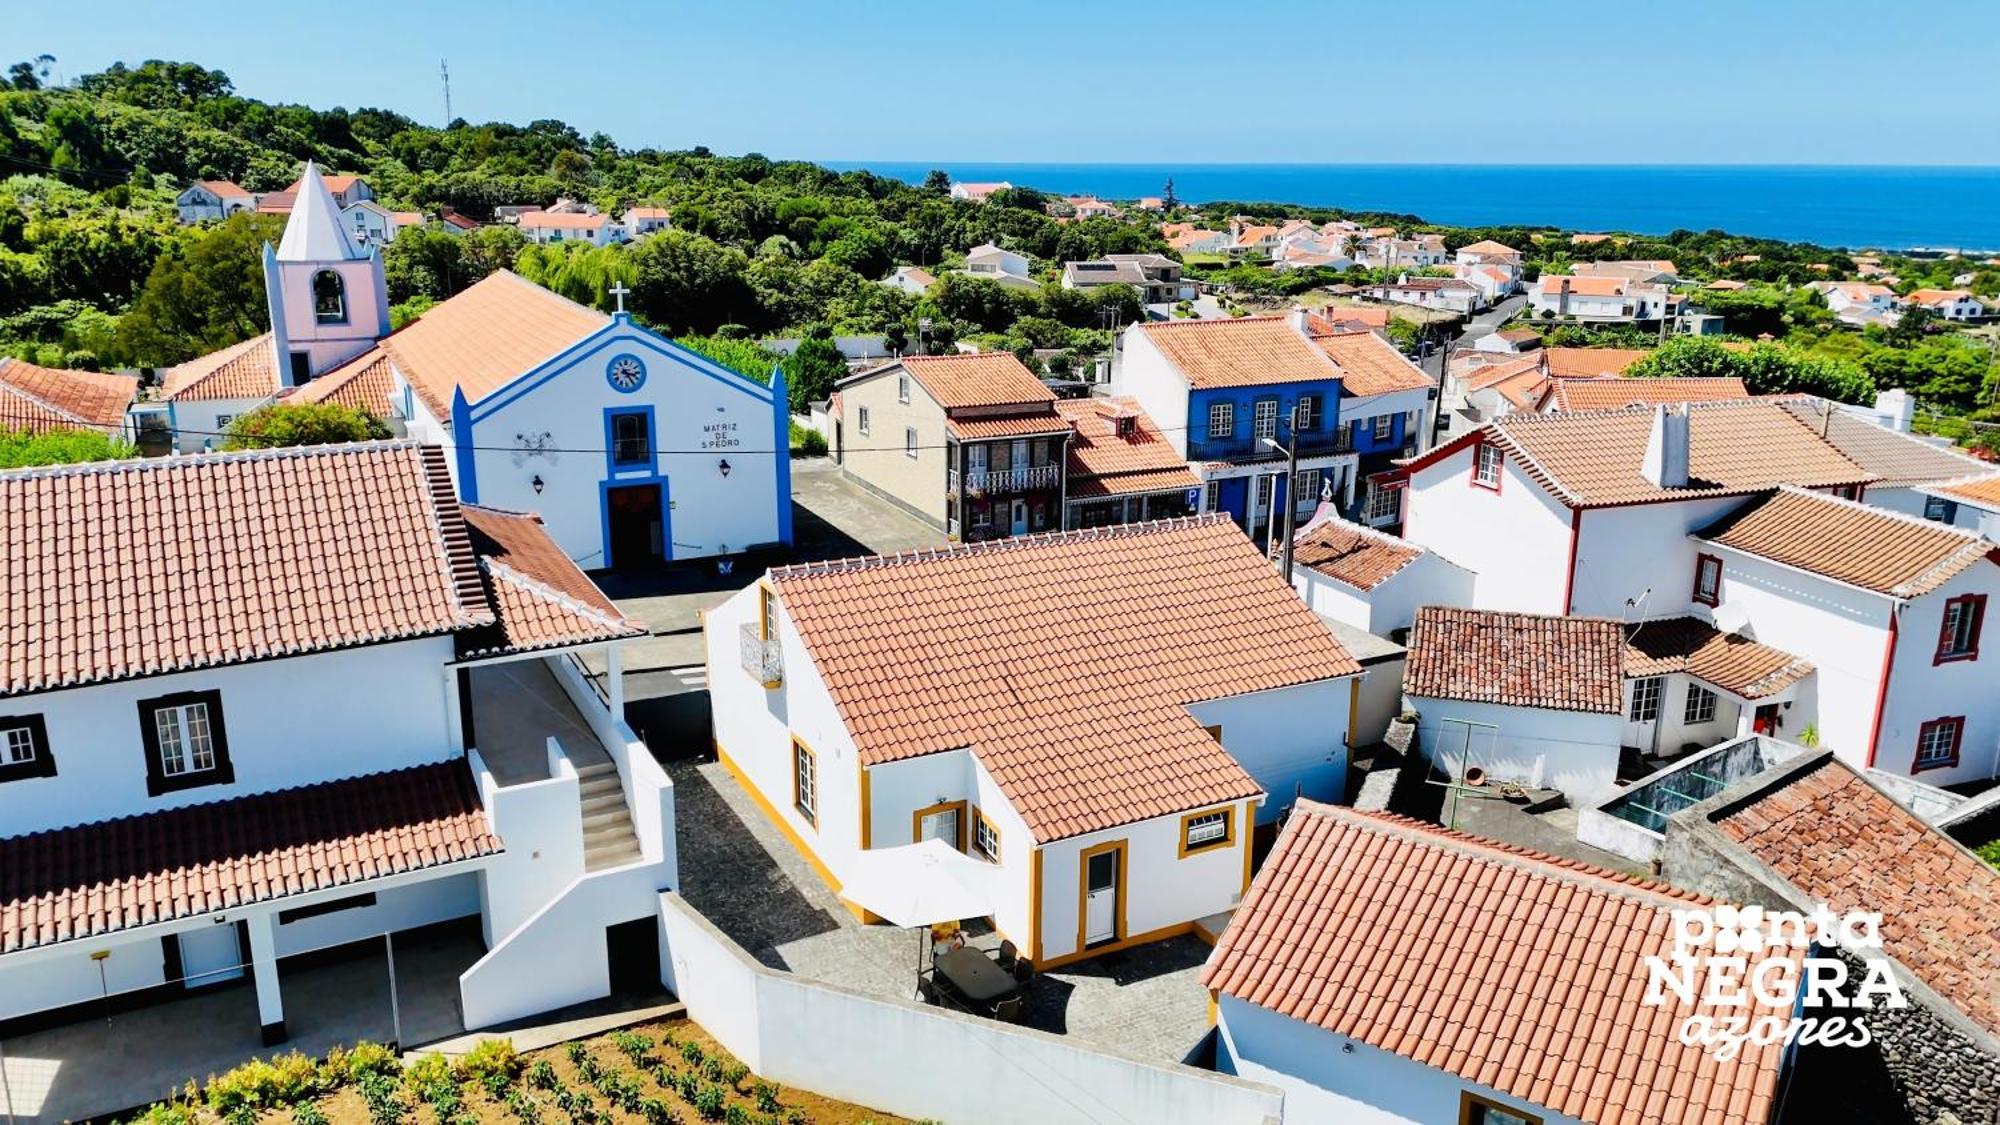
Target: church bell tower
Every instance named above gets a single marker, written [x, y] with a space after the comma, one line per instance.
[328, 300]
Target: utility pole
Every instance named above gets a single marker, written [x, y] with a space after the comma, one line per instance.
[444, 75]
[1291, 501]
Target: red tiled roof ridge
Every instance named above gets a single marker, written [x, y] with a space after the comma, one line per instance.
[1974, 544]
[504, 573]
[858, 563]
[221, 359]
[190, 460]
[1209, 322]
[461, 564]
[45, 404]
[1517, 855]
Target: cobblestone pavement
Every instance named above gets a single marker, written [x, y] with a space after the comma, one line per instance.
[739, 871]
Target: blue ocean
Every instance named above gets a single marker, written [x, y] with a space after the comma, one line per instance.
[1851, 206]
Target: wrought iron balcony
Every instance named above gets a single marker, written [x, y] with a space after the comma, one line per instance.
[762, 659]
[1009, 480]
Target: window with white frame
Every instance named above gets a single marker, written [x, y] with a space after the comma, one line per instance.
[1264, 418]
[1205, 830]
[1264, 492]
[1645, 700]
[909, 441]
[805, 782]
[986, 838]
[1937, 743]
[1221, 419]
[1385, 427]
[1700, 705]
[902, 388]
[861, 419]
[1305, 413]
[1486, 462]
[1383, 503]
[1307, 491]
[1958, 636]
[24, 748]
[185, 743]
[1211, 500]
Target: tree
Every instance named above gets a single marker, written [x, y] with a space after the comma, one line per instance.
[22, 448]
[303, 423]
[690, 284]
[812, 370]
[1168, 200]
[208, 296]
[746, 358]
[937, 182]
[1766, 369]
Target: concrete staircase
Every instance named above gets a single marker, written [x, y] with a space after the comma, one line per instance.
[608, 839]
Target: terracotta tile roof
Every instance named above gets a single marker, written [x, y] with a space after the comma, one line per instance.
[96, 879]
[223, 189]
[1370, 365]
[362, 383]
[1064, 661]
[1248, 351]
[1509, 968]
[541, 599]
[276, 202]
[245, 370]
[1328, 320]
[1610, 394]
[1588, 458]
[334, 184]
[1982, 490]
[1551, 284]
[226, 558]
[486, 337]
[1730, 661]
[1845, 843]
[563, 220]
[1488, 247]
[1572, 363]
[45, 398]
[646, 213]
[1936, 296]
[1492, 374]
[1899, 460]
[984, 427]
[1873, 548]
[1517, 659]
[960, 381]
[1348, 552]
[1101, 463]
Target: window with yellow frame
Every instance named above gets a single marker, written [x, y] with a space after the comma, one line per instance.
[985, 837]
[805, 782]
[1207, 830]
[767, 613]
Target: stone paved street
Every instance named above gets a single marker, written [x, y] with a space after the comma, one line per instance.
[737, 869]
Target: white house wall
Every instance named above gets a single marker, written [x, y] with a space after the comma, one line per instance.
[1287, 740]
[1574, 751]
[708, 512]
[1162, 890]
[1146, 375]
[199, 423]
[1517, 540]
[1329, 1078]
[289, 722]
[1642, 553]
[1920, 690]
[1379, 701]
[1429, 579]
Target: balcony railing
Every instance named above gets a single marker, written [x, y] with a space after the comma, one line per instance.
[1009, 480]
[761, 658]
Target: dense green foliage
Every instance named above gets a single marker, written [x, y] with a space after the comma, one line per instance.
[1764, 368]
[303, 423]
[20, 448]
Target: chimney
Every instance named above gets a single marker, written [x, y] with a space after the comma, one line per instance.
[1894, 408]
[1666, 463]
[1296, 317]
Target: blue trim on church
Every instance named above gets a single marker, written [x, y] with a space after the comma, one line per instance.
[461, 444]
[781, 448]
[641, 336]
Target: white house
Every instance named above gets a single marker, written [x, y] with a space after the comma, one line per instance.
[1842, 296]
[1383, 971]
[977, 192]
[1903, 464]
[551, 227]
[1370, 579]
[1951, 304]
[1605, 298]
[1387, 252]
[325, 702]
[1003, 267]
[1487, 252]
[634, 449]
[1970, 502]
[369, 223]
[1447, 293]
[1099, 714]
[206, 200]
[642, 221]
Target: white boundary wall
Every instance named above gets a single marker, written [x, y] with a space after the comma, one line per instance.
[923, 1062]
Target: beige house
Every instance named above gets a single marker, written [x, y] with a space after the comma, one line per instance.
[971, 443]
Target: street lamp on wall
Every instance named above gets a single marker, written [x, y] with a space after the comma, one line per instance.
[724, 466]
[537, 484]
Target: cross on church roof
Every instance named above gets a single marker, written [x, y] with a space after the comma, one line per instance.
[618, 290]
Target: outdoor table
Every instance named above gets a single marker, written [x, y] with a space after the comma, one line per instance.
[974, 975]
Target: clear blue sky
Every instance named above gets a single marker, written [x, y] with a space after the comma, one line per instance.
[1752, 81]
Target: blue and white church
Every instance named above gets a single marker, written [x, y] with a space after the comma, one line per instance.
[634, 450]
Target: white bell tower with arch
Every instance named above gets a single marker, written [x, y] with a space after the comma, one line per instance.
[327, 297]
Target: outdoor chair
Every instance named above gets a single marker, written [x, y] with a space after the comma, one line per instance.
[1007, 954]
[1024, 972]
[1008, 1010]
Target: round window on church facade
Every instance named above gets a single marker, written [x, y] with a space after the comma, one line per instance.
[626, 373]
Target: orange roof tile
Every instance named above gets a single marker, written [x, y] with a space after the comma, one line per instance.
[1981, 490]
[1348, 552]
[966, 380]
[1065, 661]
[1245, 351]
[1845, 843]
[45, 398]
[1370, 365]
[1517, 659]
[229, 557]
[1591, 458]
[1104, 463]
[1582, 286]
[986, 426]
[96, 879]
[1575, 363]
[1730, 661]
[1480, 378]
[1900, 460]
[540, 598]
[563, 220]
[362, 383]
[1487, 246]
[1329, 319]
[1873, 548]
[1507, 967]
[245, 370]
[486, 337]
[1610, 394]
[1937, 296]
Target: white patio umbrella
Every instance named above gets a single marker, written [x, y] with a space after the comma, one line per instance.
[919, 885]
